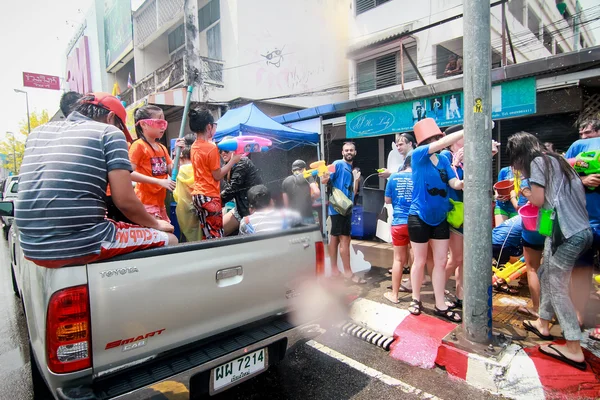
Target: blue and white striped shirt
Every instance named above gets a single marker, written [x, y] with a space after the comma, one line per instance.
[61, 208]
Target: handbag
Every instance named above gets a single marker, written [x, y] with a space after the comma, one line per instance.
[340, 202]
[456, 216]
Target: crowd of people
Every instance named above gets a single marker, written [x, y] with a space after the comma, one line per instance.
[559, 263]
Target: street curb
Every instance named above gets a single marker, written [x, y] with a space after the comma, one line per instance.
[517, 373]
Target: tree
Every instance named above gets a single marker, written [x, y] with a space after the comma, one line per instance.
[35, 119]
[12, 148]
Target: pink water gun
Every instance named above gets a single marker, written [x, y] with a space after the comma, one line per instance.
[245, 144]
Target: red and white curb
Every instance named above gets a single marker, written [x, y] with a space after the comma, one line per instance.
[519, 373]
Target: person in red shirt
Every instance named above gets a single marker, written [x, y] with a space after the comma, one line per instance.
[206, 192]
[151, 161]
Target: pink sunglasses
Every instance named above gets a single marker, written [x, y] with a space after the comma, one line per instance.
[155, 123]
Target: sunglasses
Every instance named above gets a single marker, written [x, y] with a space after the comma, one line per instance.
[154, 123]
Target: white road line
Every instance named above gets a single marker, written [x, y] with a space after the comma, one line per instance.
[388, 380]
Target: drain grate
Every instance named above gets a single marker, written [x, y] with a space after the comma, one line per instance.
[368, 335]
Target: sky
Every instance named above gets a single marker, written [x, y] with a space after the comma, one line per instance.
[35, 35]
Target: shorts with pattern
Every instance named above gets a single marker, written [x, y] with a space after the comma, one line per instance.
[210, 215]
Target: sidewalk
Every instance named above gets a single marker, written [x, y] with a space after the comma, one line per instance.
[519, 371]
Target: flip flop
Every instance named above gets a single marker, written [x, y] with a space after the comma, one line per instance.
[528, 327]
[527, 311]
[356, 280]
[596, 331]
[388, 296]
[404, 289]
[580, 365]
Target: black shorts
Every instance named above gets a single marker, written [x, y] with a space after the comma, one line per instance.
[341, 225]
[536, 247]
[420, 232]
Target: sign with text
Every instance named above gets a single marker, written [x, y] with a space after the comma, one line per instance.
[79, 75]
[118, 29]
[41, 81]
[509, 99]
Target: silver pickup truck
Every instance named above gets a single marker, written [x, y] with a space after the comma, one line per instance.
[208, 315]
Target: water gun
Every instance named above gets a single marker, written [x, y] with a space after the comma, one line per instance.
[318, 168]
[245, 144]
[586, 163]
[380, 170]
[510, 271]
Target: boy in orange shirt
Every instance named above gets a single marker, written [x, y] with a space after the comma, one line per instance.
[206, 193]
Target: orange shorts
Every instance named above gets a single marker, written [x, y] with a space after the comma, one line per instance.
[129, 238]
[400, 235]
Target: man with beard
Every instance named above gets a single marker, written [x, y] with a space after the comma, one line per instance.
[345, 180]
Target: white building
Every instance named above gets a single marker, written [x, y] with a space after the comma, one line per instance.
[381, 30]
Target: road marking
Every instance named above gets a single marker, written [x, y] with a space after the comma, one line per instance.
[373, 373]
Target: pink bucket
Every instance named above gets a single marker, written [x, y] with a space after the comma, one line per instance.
[529, 215]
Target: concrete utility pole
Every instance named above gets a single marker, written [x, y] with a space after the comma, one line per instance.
[576, 22]
[477, 317]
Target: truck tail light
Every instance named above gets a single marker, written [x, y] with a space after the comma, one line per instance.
[320, 258]
[68, 344]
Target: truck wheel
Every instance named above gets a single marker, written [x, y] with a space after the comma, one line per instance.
[14, 282]
[5, 231]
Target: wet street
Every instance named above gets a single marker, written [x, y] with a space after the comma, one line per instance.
[331, 366]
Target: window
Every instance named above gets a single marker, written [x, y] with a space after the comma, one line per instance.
[533, 22]
[516, 8]
[366, 5]
[213, 39]
[385, 70]
[547, 40]
[209, 14]
[177, 38]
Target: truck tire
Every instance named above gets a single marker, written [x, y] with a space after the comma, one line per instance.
[38, 384]
[5, 232]
[14, 282]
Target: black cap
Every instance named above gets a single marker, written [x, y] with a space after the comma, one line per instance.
[453, 128]
[298, 164]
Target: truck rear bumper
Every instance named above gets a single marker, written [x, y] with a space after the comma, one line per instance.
[190, 369]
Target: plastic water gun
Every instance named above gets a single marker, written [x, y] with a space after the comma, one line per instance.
[586, 163]
[318, 168]
[245, 144]
[510, 271]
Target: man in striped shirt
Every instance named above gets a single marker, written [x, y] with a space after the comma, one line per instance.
[264, 217]
[61, 208]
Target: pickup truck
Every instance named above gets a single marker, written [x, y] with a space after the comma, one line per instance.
[208, 315]
[9, 193]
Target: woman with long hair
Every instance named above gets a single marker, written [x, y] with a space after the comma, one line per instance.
[556, 187]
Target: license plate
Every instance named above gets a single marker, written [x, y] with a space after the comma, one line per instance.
[238, 370]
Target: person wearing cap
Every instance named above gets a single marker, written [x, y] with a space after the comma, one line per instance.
[61, 207]
[427, 224]
[242, 176]
[299, 192]
[264, 216]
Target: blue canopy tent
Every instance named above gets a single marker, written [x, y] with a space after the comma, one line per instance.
[249, 120]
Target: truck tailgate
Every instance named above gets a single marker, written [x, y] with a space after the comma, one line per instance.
[154, 301]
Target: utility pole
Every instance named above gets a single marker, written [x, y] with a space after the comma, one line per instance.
[27, 104]
[576, 19]
[477, 316]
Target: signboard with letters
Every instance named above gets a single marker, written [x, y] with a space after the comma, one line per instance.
[41, 81]
[79, 76]
[118, 30]
[509, 99]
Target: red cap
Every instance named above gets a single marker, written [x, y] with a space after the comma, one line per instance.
[111, 103]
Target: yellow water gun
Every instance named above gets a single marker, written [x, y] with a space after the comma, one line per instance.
[510, 271]
[318, 168]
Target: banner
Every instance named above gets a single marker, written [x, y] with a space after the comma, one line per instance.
[118, 29]
[41, 81]
[509, 99]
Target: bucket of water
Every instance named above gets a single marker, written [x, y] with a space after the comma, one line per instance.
[529, 215]
[504, 187]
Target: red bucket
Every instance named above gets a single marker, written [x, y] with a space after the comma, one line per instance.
[505, 187]
[529, 215]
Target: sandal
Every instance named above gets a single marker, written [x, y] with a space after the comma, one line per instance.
[406, 270]
[389, 297]
[452, 304]
[450, 315]
[356, 280]
[504, 288]
[530, 328]
[416, 307]
[580, 365]
[595, 334]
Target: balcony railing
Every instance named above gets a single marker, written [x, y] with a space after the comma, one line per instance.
[127, 96]
[212, 71]
[164, 78]
[153, 16]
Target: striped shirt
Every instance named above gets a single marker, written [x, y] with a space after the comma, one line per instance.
[269, 220]
[61, 208]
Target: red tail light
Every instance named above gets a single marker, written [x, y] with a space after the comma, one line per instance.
[68, 343]
[320, 258]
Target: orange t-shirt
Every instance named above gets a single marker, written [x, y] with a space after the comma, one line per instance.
[150, 162]
[205, 158]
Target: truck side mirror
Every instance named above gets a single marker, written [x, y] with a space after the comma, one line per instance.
[7, 208]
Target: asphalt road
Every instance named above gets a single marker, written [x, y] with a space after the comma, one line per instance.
[331, 366]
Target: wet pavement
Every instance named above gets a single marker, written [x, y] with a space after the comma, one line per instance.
[331, 366]
[15, 375]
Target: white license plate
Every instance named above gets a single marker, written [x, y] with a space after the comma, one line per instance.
[238, 370]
